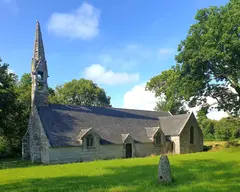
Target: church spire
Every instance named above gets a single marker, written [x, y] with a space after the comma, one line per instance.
[38, 44]
[39, 71]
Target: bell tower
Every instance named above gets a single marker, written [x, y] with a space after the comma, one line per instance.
[39, 71]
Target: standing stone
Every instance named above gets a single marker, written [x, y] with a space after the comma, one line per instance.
[164, 171]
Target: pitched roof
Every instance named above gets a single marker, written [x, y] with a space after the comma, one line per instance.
[63, 123]
[151, 131]
[173, 125]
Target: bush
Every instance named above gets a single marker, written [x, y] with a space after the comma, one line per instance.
[232, 143]
[206, 148]
[3, 147]
[5, 150]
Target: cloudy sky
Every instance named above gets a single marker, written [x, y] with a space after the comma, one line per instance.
[119, 45]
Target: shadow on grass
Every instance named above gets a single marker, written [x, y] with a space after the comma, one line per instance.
[16, 163]
[199, 175]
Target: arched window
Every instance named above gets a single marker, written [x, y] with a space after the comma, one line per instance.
[158, 138]
[89, 141]
[40, 75]
[191, 134]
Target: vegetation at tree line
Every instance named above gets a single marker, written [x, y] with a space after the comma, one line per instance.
[207, 65]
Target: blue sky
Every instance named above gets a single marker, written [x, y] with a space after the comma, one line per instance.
[118, 44]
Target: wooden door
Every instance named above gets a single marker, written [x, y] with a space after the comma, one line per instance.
[128, 150]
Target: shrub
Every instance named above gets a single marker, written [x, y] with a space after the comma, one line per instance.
[206, 148]
[4, 149]
[232, 143]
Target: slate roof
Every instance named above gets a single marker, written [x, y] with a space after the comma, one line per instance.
[64, 123]
[173, 125]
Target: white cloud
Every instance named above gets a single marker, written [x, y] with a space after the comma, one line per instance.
[212, 113]
[81, 23]
[138, 98]
[217, 115]
[99, 74]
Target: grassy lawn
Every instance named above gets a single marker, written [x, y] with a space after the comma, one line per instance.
[204, 171]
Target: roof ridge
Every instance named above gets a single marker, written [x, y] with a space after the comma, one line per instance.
[109, 108]
[187, 114]
[185, 123]
[138, 109]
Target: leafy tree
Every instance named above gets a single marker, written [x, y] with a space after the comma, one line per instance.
[80, 92]
[24, 90]
[207, 125]
[227, 128]
[207, 62]
[209, 58]
[11, 112]
[165, 86]
[24, 87]
[175, 109]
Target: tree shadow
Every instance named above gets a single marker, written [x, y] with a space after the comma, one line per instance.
[189, 175]
[16, 163]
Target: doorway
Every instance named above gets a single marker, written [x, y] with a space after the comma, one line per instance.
[128, 150]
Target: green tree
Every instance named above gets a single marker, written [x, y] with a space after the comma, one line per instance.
[80, 92]
[176, 108]
[23, 89]
[207, 125]
[165, 86]
[11, 111]
[207, 62]
[227, 128]
[209, 57]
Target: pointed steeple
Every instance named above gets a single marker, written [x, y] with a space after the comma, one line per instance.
[38, 44]
[39, 71]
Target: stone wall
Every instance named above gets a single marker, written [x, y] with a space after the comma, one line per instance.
[147, 149]
[26, 147]
[79, 154]
[176, 143]
[107, 151]
[39, 146]
[185, 145]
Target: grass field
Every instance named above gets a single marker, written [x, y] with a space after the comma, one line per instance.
[205, 171]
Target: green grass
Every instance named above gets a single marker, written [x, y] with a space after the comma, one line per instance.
[205, 171]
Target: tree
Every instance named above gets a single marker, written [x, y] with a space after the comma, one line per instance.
[7, 93]
[209, 58]
[165, 86]
[11, 112]
[227, 128]
[80, 92]
[176, 108]
[208, 62]
[207, 125]
[24, 87]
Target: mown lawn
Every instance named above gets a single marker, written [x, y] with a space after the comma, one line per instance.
[204, 171]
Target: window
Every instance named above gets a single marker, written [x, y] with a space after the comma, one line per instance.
[90, 141]
[40, 75]
[158, 139]
[191, 134]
